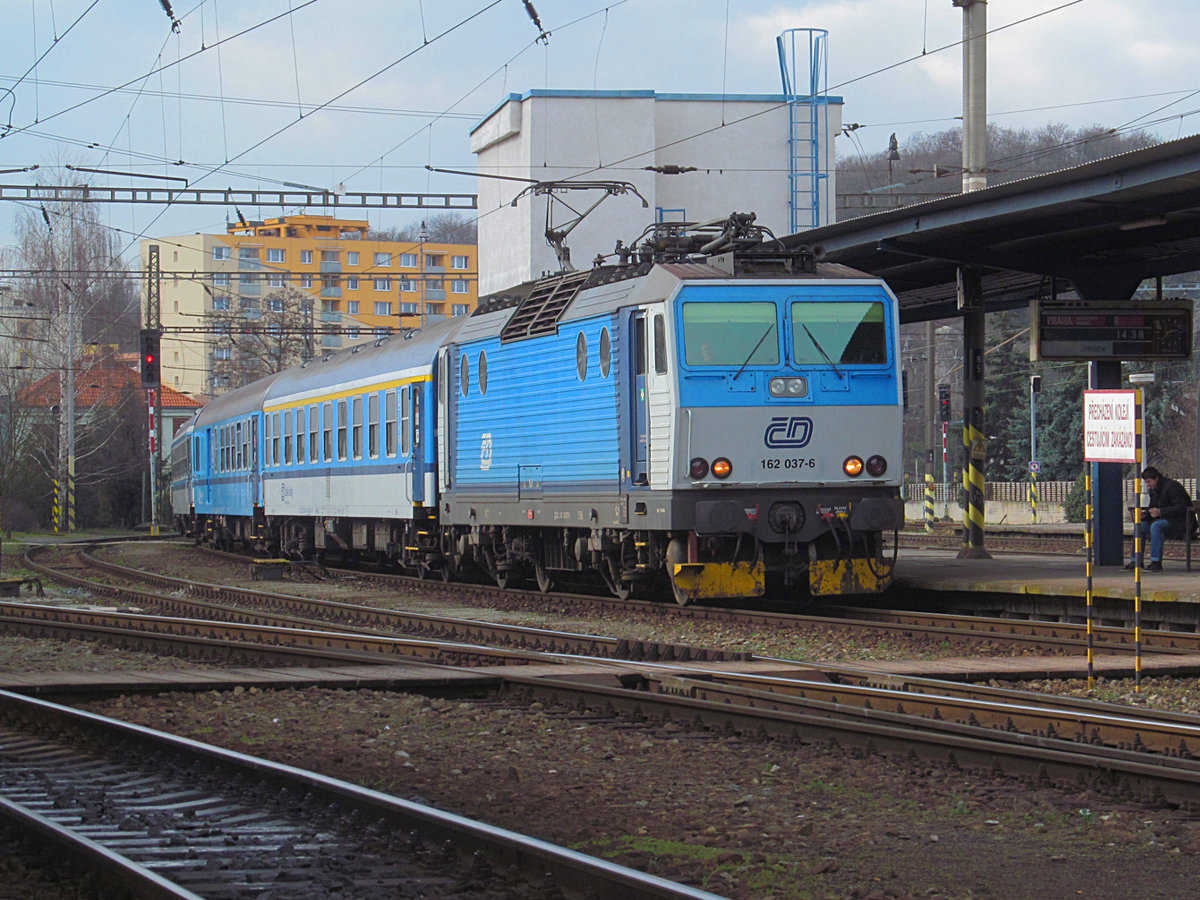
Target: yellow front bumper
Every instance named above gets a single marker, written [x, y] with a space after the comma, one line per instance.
[720, 581]
[832, 578]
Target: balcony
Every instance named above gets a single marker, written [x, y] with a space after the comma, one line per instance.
[429, 267]
[334, 316]
[334, 291]
[331, 267]
[437, 294]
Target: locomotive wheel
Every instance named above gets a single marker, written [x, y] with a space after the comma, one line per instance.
[683, 598]
[507, 578]
[545, 581]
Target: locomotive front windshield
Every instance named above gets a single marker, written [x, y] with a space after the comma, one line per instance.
[841, 333]
[730, 334]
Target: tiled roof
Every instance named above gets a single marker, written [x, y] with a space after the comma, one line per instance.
[100, 384]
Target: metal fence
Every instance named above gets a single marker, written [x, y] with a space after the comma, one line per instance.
[1018, 491]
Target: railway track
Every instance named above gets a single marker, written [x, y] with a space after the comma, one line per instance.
[1136, 753]
[161, 816]
[308, 622]
[270, 617]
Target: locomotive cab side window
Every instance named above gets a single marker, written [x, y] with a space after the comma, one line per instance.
[660, 346]
[730, 334]
[839, 333]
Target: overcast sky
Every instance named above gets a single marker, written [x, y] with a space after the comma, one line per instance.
[389, 87]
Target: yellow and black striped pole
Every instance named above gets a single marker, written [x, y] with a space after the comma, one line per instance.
[54, 509]
[929, 497]
[1033, 495]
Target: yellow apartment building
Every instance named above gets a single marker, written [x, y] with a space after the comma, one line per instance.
[360, 288]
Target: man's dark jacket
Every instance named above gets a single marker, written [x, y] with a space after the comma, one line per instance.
[1173, 501]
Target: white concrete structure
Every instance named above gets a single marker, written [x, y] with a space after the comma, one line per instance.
[738, 144]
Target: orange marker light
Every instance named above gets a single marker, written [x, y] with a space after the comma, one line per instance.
[721, 467]
[853, 466]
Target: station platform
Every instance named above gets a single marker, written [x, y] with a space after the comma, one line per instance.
[1041, 575]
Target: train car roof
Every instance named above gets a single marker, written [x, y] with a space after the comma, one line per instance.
[606, 289]
[238, 402]
[364, 363]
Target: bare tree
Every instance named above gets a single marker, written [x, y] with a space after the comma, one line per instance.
[77, 295]
[262, 337]
[439, 228]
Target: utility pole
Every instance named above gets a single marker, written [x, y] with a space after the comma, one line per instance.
[154, 394]
[970, 285]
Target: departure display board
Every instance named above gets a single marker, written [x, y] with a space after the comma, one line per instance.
[1080, 330]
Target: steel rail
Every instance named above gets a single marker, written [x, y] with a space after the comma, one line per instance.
[319, 611]
[350, 646]
[1114, 636]
[1170, 779]
[189, 761]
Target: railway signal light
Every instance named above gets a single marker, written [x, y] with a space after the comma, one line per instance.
[148, 350]
[944, 402]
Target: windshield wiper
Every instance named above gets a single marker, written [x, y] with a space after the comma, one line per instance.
[812, 337]
[755, 350]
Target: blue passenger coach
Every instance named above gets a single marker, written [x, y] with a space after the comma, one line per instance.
[712, 417]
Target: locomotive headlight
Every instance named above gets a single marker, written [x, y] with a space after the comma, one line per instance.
[721, 467]
[788, 387]
[876, 465]
[698, 468]
[853, 466]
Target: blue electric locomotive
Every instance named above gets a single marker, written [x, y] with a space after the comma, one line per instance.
[712, 417]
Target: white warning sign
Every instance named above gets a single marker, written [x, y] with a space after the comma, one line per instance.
[1110, 426]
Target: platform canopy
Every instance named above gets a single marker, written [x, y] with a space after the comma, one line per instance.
[1103, 227]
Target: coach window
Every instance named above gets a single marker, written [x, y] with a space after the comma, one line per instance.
[660, 346]
[373, 425]
[341, 429]
[605, 352]
[314, 427]
[300, 438]
[405, 420]
[464, 375]
[276, 458]
[327, 430]
[482, 376]
[389, 414]
[287, 438]
[240, 461]
[356, 426]
[581, 356]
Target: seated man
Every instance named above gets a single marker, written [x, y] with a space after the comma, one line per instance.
[1167, 517]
